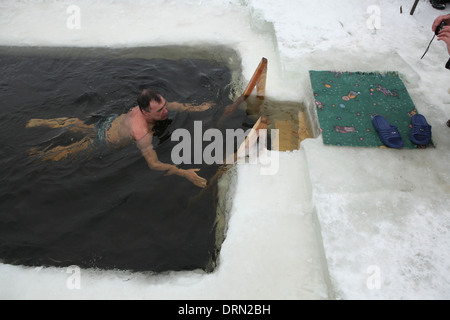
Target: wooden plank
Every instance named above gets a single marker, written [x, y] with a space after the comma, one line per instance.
[302, 128]
[252, 137]
[287, 136]
[258, 79]
[249, 142]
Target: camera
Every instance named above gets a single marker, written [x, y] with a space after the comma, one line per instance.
[439, 28]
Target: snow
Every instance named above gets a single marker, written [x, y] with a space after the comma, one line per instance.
[333, 223]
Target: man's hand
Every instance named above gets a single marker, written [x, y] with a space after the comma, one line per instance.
[203, 107]
[189, 107]
[189, 174]
[444, 35]
[438, 20]
[192, 176]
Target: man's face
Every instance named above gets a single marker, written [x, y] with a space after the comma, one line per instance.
[158, 110]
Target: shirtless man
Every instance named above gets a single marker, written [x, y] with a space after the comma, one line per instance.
[116, 131]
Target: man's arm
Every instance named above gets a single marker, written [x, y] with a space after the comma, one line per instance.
[189, 107]
[149, 154]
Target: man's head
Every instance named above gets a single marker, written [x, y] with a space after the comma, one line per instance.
[152, 105]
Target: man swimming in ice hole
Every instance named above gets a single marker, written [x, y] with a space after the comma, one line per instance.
[119, 130]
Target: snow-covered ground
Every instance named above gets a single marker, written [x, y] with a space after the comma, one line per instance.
[334, 223]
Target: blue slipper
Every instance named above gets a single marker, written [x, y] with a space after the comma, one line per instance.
[421, 130]
[388, 134]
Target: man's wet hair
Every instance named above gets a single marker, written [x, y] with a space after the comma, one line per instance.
[146, 96]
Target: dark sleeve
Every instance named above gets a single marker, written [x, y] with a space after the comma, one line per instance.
[447, 65]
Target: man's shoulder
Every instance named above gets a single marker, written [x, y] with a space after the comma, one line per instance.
[139, 127]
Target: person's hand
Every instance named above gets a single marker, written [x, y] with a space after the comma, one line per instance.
[192, 176]
[444, 35]
[438, 20]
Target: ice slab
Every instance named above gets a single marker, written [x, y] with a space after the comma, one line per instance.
[384, 218]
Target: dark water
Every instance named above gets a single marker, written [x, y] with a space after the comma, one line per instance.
[108, 209]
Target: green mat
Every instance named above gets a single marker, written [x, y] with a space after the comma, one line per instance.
[347, 101]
